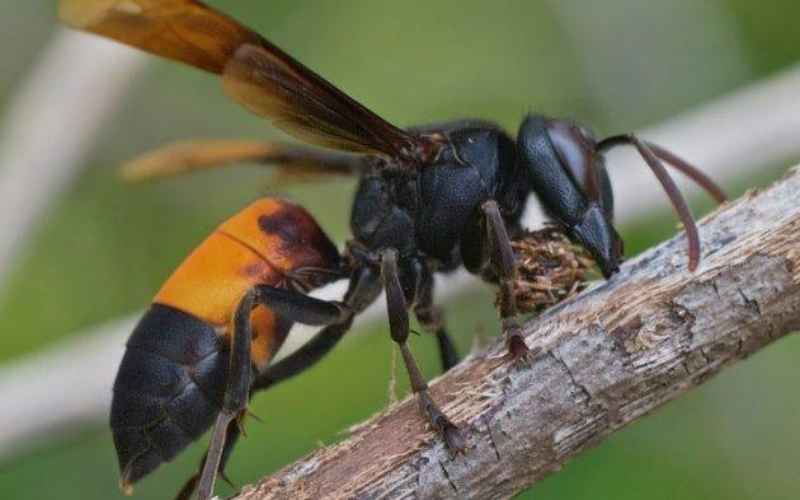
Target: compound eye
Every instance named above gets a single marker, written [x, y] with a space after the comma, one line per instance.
[574, 147]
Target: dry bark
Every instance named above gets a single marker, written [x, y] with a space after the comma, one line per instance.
[606, 358]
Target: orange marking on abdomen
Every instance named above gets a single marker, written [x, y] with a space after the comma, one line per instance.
[244, 252]
[212, 281]
[284, 234]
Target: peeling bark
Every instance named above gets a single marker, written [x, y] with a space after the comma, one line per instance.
[611, 355]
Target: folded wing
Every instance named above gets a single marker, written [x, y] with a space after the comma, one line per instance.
[256, 73]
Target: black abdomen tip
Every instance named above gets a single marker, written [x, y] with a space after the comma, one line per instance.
[167, 392]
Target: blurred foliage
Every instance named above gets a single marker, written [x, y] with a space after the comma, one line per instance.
[769, 32]
[105, 247]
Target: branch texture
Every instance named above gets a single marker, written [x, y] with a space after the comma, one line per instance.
[613, 354]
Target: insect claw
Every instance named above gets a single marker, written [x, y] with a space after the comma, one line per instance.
[518, 351]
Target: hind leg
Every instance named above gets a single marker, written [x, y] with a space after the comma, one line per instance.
[236, 394]
[364, 288]
[292, 305]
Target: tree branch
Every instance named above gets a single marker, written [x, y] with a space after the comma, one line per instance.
[606, 358]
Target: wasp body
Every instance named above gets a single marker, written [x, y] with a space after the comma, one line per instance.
[430, 199]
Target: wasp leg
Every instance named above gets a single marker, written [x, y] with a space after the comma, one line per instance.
[399, 329]
[301, 308]
[364, 288]
[297, 307]
[236, 393]
[501, 256]
[294, 306]
[431, 318]
[305, 357]
[231, 437]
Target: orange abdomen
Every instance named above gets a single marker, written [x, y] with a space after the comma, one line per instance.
[264, 244]
[171, 383]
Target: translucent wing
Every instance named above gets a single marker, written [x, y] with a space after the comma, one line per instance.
[259, 75]
[182, 30]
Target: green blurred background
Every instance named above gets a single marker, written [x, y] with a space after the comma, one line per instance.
[104, 247]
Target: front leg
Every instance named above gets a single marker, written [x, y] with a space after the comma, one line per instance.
[501, 258]
[399, 329]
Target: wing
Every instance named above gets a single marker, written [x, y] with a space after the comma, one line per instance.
[292, 163]
[256, 73]
[183, 30]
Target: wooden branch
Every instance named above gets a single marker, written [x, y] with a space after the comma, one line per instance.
[606, 358]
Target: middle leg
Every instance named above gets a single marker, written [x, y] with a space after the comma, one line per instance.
[431, 318]
[399, 329]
